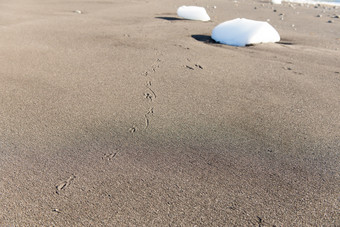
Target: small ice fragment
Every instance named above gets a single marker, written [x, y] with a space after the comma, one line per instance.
[193, 13]
[276, 1]
[241, 32]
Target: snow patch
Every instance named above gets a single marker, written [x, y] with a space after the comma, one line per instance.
[241, 32]
[193, 13]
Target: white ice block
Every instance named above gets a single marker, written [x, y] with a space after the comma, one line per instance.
[241, 32]
[193, 13]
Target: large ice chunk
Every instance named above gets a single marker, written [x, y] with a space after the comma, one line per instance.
[193, 13]
[241, 32]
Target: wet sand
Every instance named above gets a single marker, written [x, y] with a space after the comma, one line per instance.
[119, 113]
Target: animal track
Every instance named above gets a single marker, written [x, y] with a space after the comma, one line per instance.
[110, 156]
[288, 68]
[133, 129]
[193, 68]
[147, 121]
[150, 94]
[64, 184]
[153, 68]
[179, 45]
[291, 69]
[199, 66]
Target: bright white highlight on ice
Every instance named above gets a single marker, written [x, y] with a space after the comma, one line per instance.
[193, 13]
[241, 32]
[276, 1]
[313, 2]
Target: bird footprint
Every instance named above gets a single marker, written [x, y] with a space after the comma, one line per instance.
[64, 184]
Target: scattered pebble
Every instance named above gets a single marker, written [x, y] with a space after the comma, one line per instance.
[281, 16]
[78, 11]
[319, 15]
[336, 16]
[330, 21]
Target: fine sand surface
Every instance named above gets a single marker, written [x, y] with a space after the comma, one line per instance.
[126, 115]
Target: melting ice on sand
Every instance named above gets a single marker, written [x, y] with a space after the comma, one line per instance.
[241, 32]
[193, 13]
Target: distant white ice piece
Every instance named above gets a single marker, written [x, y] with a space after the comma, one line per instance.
[276, 1]
[242, 32]
[193, 13]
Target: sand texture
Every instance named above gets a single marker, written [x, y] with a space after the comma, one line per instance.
[119, 113]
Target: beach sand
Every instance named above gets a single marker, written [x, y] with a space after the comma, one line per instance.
[119, 113]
